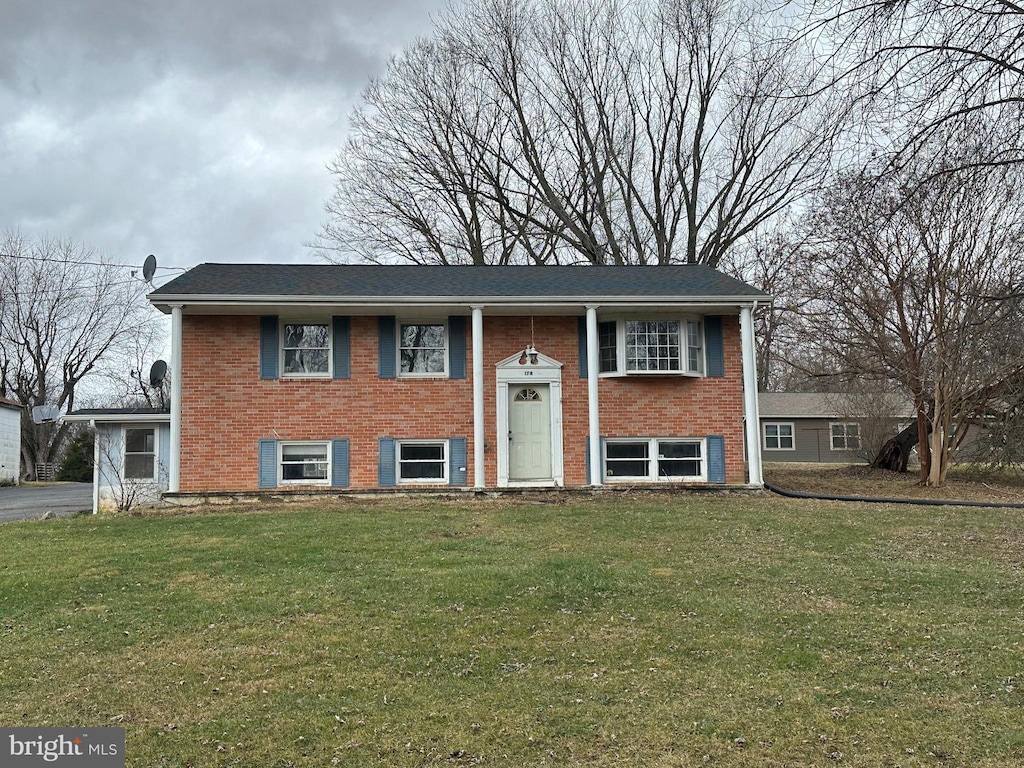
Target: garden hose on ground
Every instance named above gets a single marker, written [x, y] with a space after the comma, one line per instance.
[879, 500]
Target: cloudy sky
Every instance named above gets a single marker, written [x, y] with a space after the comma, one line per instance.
[196, 130]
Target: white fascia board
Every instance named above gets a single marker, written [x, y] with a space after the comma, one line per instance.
[163, 303]
[106, 418]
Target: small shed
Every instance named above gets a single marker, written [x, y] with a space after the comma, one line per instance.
[130, 455]
[10, 442]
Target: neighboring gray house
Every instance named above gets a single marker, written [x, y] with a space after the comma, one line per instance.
[10, 442]
[827, 427]
[135, 439]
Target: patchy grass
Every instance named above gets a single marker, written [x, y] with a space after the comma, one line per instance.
[649, 630]
[965, 482]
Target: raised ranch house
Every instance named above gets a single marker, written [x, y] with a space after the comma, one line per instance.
[391, 377]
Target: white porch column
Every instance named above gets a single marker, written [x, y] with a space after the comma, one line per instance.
[751, 416]
[479, 467]
[174, 470]
[593, 367]
[96, 467]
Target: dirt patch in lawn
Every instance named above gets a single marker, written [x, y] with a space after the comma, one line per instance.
[963, 483]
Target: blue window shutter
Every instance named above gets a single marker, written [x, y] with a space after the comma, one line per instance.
[456, 347]
[716, 459]
[386, 461]
[342, 347]
[268, 347]
[582, 336]
[387, 347]
[457, 461]
[714, 346]
[339, 462]
[268, 464]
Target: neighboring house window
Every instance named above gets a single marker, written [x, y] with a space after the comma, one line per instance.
[651, 346]
[140, 453]
[422, 461]
[778, 437]
[845, 436]
[655, 459]
[422, 349]
[304, 463]
[306, 349]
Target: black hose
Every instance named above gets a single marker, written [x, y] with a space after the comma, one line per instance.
[877, 500]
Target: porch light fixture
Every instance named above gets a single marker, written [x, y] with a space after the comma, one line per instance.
[530, 353]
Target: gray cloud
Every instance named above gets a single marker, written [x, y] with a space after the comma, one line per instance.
[198, 131]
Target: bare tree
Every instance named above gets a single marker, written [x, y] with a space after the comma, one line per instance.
[64, 309]
[905, 279]
[923, 68]
[584, 131]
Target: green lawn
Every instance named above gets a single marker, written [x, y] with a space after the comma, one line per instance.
[649, 630]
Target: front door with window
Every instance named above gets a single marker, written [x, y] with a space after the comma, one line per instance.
[529, 432]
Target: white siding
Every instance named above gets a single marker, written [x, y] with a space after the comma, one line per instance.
[10, 445]
[110, 440]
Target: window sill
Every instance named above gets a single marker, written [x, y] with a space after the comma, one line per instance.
[634, 374]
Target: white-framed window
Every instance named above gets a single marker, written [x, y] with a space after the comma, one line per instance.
[778, 436]
[422, 461]
[422, 349]
[845, 436]
[140, 461]
[304, 463]
[306, 349]
[651, 346]
[655, 459]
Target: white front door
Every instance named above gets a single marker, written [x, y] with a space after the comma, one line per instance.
[529, 431]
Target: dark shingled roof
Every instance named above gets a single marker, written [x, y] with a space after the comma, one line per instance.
[403, 281]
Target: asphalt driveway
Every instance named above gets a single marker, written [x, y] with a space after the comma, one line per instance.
[29, 502]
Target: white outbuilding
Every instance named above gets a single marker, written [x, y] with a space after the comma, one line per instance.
[10, 442]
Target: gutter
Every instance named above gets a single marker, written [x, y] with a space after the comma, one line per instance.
[883, 500]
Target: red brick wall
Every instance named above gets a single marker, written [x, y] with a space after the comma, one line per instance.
[226, 408]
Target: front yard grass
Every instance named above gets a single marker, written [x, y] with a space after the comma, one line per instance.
[644, 630]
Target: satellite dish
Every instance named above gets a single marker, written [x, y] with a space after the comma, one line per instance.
[149, 268]
[44, 414]
[157, 373]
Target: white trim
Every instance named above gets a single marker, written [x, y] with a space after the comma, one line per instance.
[751, 421]
[509, 373]
[150, 427]
[653, 457]
[846, 436]
[281, 482]
[765, 423]
[442, 374]
[95, 469]
[174, 460]
[593, 406]
[683, 320]
[444, 461]
[479, 424]
[329, 324]
[118, 418]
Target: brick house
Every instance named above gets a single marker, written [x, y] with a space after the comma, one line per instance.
[371, 377]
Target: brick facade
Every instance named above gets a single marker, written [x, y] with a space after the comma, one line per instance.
[227, 409]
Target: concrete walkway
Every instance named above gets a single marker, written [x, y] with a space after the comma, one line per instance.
[32, 502]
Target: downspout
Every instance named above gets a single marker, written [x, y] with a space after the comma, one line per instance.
[755, 476]
[174, 471]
